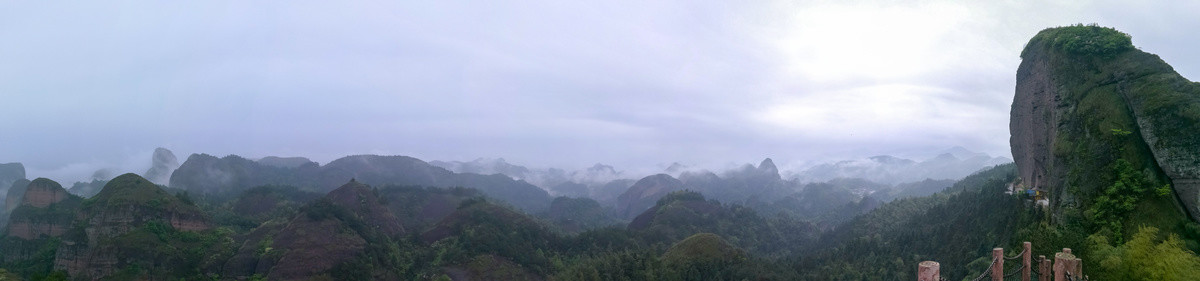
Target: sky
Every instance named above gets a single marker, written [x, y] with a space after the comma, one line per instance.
[540, 83]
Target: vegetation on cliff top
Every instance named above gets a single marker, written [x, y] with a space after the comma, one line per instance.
[1082, 39]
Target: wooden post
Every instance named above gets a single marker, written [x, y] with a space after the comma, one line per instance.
[1044, 268]
[1077, 268]
[998, 267]
[1063, 262]
[1026, 260]
[928, 271]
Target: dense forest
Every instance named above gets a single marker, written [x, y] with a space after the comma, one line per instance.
[456, 233]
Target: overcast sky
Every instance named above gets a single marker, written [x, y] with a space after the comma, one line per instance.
[550, 83]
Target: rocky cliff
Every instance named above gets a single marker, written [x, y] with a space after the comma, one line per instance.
[128, 203]
[46, 209]
[1085, 99]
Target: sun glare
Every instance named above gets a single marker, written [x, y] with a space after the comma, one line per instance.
[850, 42]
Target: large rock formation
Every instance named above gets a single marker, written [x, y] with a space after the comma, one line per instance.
[161, 166]
[42, 192]
[1085, 98]
[644, 193]
[366, 203]
[207, 174]
[46, 209]
[127, 203]
[331, 231]
[748, 185]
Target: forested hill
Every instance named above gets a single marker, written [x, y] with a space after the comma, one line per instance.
[953, 227]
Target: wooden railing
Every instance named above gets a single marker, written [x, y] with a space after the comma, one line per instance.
[1066, 267]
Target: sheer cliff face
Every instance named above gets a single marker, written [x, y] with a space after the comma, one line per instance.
[45, 210]
[1033, 119]
[125, 204]
[1077, 110]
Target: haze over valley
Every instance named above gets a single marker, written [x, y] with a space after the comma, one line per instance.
[615, 140]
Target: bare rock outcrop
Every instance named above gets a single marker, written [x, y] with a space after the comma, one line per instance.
[126, 203]
[46, 210]
[1085, 98]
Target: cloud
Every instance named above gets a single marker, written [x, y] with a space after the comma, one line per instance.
[628, 83]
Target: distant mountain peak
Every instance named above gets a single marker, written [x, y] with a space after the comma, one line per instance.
[963, 153]
[602, 168]
[162, 164]
[767, 168]
[675, 167]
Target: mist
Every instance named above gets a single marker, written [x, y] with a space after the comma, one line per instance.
[633, 85]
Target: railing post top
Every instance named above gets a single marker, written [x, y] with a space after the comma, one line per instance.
[930, 264]
[1027, 244]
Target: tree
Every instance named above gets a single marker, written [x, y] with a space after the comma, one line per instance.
[1145, 257]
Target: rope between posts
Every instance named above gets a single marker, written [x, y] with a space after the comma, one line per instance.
[986, 271]
[1015, 271]
[1016, 256]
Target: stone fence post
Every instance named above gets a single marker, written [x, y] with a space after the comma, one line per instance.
[1026, 260]
[998, 267]
[1043, 268]
[928, 271]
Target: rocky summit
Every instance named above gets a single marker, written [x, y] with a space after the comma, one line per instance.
[45, 210]
[1086, 98]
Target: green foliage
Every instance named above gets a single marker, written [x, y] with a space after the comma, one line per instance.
[577, 214]
[37, 255]
[702, 246]
[1115, 105]
[1129, 186]
[681, 195]
[953, 227]
[486, 228]
[1144, 257]
[1089, 39]
[681, 214]
[8, 276]
[53, 276]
